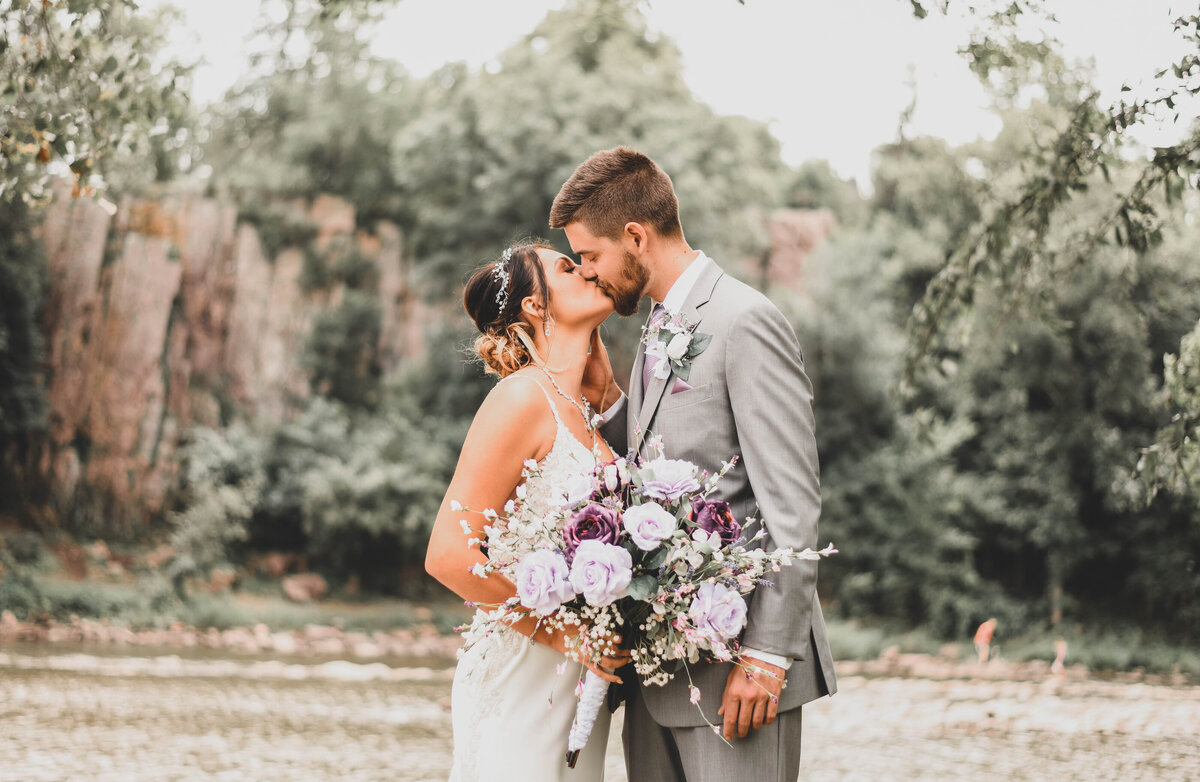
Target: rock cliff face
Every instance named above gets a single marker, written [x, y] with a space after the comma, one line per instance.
[162, 314]
[167, 313]
[795, 233]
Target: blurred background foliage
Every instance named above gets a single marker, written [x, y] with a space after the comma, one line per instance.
[1000, 433]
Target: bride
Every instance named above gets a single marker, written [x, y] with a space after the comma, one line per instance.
[513, 698]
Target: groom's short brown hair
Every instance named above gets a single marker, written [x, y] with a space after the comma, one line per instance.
[614, 187]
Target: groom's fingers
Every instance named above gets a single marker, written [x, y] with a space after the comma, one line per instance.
[759, 715]
[730, 710]
[745, 715]
[772, 709]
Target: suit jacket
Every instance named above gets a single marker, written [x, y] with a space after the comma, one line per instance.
[749, 396]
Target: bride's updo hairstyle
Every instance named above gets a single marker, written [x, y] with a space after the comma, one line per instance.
[493, 298]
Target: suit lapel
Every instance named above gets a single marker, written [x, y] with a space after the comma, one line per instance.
[692, 309]
[636, 392]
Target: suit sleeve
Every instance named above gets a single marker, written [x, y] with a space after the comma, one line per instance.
[614, 426]
[771, 397]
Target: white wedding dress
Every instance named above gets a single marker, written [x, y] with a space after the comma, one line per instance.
[510, 706]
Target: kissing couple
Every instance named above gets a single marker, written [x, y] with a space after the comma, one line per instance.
[558, 406]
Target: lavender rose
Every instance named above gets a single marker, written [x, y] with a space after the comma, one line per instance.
[717, 609]
[716, 516]
[593, 522]
[601, 572]
[669, 479]
[543, 583]
[648, 525]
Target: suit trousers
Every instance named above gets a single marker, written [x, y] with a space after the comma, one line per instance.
[654, 753]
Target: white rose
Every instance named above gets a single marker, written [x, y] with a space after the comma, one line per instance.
[578, 488]
[678, 346]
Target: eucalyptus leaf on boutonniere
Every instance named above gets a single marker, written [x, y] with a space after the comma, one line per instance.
[672, 341]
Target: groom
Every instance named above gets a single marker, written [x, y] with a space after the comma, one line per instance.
[746, 393]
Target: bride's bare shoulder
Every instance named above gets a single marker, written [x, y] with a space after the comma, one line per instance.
[517, 397]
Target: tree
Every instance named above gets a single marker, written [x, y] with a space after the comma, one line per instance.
[83, 92]
[320, 121]
[1010, 245]
[491, 149]
[22, 397]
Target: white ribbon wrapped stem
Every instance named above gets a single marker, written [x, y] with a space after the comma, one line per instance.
[590, 701]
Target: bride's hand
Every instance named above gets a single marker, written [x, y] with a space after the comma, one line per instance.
[599, 383]
[605, 668]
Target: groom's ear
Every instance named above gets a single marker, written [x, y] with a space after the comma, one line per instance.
[636, 234]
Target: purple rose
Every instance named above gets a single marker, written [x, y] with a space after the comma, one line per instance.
[669, 479]
[718, 610]
[543, 583]
[593, 522]
[649, 525]
[601, 572]
[716, 516]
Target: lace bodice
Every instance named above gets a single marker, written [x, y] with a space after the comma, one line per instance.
[567, 457]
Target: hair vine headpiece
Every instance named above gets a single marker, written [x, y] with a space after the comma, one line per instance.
[501, 275]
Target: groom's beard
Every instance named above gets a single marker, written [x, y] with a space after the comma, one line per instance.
[627, 291]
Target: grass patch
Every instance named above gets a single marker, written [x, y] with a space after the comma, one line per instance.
[366, 615]
[854, 640]
[1112, 649]
[150, 603]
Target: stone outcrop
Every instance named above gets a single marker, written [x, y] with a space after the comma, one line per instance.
[305, 587]
[170, 312]
[795, 233]
[166, 313]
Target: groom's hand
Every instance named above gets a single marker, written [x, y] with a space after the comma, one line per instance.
[599, 384]
[751, 697]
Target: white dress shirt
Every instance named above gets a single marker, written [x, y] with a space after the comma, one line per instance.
[673, 302]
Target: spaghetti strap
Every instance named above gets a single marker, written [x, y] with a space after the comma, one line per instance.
[549, 399]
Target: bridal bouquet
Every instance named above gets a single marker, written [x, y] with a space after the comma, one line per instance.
[632, 555]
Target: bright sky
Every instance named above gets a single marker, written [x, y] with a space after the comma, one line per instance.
[830, 76]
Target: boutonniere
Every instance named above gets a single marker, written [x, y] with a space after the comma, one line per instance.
[672, 340]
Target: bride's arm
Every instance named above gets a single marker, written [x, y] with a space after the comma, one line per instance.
[510, 427]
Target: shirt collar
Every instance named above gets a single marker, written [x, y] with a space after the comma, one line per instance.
[677, 296]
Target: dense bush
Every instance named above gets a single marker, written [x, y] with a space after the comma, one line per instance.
[354, 492]
[222, 481]
[1003, 484]
[19, 592]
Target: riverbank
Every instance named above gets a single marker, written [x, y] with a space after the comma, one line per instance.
[132, 718]
[424, 642]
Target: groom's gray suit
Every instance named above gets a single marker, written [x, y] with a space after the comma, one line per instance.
[749, 396]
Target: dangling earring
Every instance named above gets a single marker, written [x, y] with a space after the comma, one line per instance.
[548, 320]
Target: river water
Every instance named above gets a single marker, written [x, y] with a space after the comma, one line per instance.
[109, 718]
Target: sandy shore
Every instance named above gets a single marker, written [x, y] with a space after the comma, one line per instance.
[122, 716]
